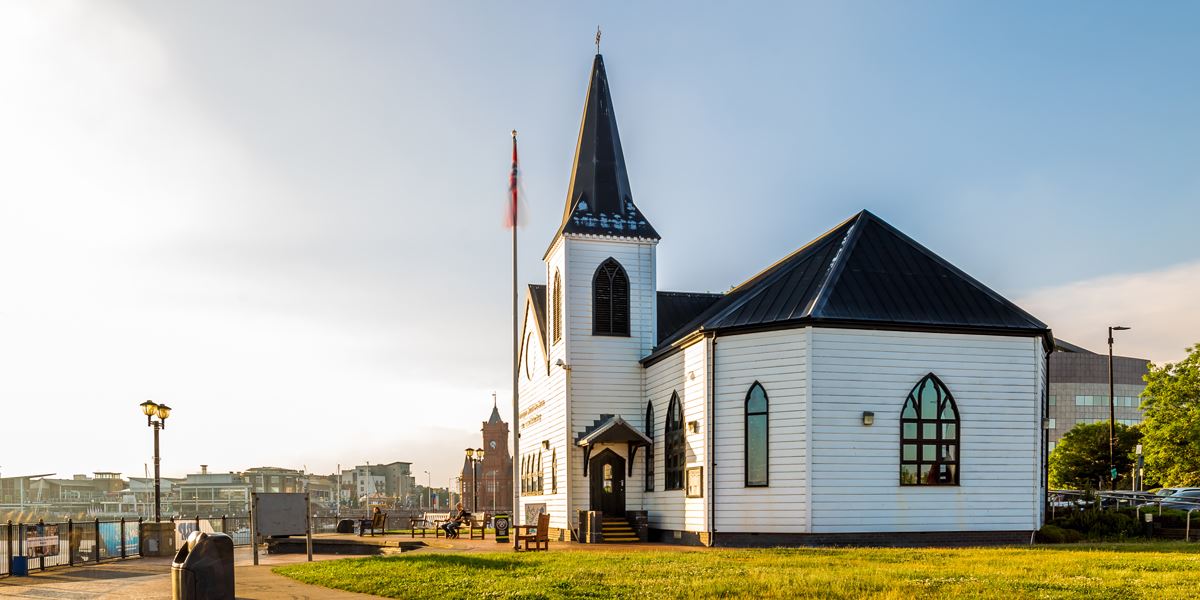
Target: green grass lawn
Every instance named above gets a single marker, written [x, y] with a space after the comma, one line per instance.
[1159, 571]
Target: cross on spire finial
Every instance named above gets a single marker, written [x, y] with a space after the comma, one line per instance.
[597, 39]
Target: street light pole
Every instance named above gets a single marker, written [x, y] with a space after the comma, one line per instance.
[162, 411]
[1112, 411]
[428, 490]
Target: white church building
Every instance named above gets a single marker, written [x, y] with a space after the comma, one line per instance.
[861, 390]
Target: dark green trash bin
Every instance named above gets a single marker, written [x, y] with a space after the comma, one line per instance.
[203, 568]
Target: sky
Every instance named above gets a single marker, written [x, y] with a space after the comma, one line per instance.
[285, 219]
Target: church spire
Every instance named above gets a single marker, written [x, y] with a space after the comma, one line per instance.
[599, 201]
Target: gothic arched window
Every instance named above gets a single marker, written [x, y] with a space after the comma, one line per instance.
[610, 299]
[929, 435]
[673, 458]
[556, 308]
[756, 436]
[650, 448]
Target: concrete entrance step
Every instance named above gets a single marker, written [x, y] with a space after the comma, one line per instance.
[617, 531]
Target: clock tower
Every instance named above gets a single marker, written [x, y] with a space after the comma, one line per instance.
[495, 473]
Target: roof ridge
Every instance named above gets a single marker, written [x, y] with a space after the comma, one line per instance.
[705, 294]
[837, 264]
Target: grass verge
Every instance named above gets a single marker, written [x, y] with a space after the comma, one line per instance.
[1162, 571]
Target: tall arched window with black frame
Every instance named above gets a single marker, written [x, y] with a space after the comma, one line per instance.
[929, 435]
[757, 453]
[610, 299]
[674, 455]
[650, 448]
[556, 308]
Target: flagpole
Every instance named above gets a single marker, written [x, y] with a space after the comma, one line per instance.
[516, 518]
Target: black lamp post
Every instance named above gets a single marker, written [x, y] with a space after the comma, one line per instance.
[1112, 411]
[475, 456]
[162, 411]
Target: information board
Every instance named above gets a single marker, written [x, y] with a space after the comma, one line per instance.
[41, 540]
[281, 514]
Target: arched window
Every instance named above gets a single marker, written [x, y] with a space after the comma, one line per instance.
[554, 471]
[929, 435]
[556, 307]
[610, 300]
[650, 449]
[674, 456]
[540, 482]
[756, 436]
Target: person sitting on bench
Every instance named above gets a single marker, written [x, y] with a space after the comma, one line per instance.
[456, 519]
[365, 524]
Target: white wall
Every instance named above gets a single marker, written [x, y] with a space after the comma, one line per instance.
[548, 387]
[997, 387]
[779, 361]
[685, 373]
[606, 377]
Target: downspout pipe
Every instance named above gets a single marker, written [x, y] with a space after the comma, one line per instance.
[712, 439]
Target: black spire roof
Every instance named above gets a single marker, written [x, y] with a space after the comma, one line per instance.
[599, 201]
[862, 272]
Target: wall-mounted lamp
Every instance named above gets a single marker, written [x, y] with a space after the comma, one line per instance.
[693, 426]
[561, 364]
[691, 374]
[545, 444]
[868, 418]
[1045, 423]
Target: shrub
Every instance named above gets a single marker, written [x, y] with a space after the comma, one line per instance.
[1101, 524]
[1053, 534]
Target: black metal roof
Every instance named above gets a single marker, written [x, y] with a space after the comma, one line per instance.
[862, 272]
[1065, 346]
[537, 297]
[676, 309]
[611, 429]
[599, 201]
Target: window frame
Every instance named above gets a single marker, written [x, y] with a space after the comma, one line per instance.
[613, 275]
[766, 414]
[674, 452]
[943, 400]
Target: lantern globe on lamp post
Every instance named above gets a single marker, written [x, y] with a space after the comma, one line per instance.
[475, 455]
[152, 409]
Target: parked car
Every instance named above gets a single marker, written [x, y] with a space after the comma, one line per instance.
[1184, 499]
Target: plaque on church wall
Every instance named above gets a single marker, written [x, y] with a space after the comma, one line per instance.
[695, 482]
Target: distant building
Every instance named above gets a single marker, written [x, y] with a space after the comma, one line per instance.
[207, 493]
[275, 479]
[491, 479]
[388, 483]
[1079, 388]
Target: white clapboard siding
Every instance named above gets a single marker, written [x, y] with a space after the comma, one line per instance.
[666, 509]
[606, 377]
[855, 468]
[546, 386]
[778, 360]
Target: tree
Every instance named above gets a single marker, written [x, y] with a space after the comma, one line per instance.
[1171, 422]
[1080, 460]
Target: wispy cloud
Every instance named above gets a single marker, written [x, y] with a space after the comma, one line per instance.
[1160, 306]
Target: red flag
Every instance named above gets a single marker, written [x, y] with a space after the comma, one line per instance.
[512, 217]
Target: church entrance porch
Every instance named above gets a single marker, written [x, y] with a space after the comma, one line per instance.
[607, 474]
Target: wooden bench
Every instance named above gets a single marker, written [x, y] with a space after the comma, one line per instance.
[476, 527]
[539, 537]
[377, 522]
[425, 522]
